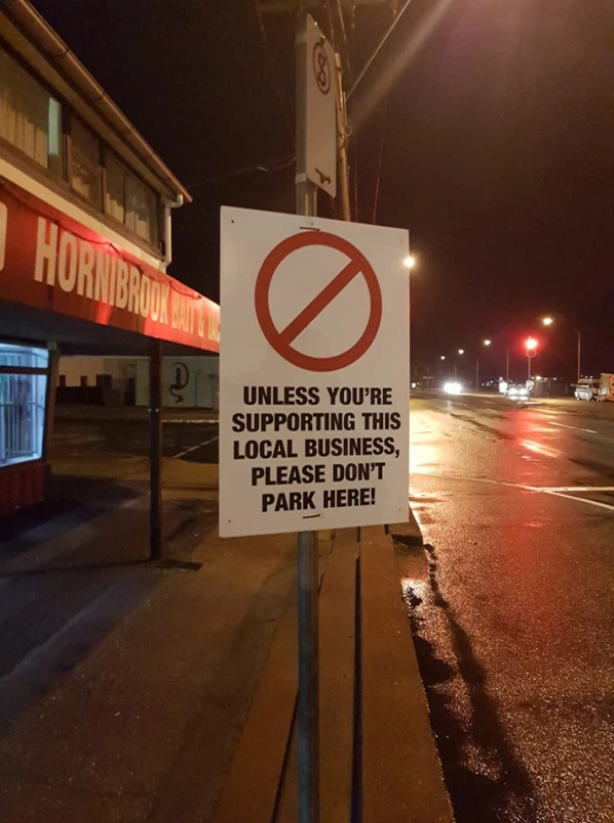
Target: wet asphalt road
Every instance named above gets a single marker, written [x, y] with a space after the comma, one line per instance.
[512, 603]
[191, 440]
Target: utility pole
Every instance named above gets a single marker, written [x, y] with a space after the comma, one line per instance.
[307, 543]
[344, 180]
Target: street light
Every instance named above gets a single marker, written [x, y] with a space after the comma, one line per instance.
[409, 262]
[460, 351]
[477, 365]
[488, 342]
[548, 321]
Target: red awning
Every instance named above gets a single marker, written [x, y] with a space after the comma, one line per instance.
[51, 262]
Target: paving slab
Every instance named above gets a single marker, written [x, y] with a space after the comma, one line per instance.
[171, 680]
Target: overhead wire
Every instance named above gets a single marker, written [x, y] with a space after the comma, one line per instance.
[341, 47]
[380, 161]
[382, 138]
[380, 46]
[276, 164]
[274, 74]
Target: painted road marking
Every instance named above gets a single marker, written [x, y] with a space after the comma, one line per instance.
[579, 499]
[579, 488]
[553, 491]
[540, 448]
[194, 448]
[577, 428]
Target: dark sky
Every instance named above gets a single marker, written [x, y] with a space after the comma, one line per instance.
[498, 147]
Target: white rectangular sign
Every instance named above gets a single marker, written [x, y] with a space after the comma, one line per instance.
[321, 104]
[314, 374]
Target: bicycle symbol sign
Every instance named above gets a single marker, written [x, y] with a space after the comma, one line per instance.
[321, 68]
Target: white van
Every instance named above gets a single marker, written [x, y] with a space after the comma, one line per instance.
[587, 389]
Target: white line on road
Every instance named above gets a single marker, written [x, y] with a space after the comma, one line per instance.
[193, 448]
[577, 428]
[579, 499]
[578, 488]
[555, 491]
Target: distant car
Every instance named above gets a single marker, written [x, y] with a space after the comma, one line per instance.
[517, 391]
[587, 389]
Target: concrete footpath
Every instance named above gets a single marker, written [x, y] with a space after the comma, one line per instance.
[137, 692]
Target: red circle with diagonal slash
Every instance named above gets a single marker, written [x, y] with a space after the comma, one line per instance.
[321, 68]
[281, 341]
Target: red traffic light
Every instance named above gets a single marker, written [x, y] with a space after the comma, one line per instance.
[531, 344]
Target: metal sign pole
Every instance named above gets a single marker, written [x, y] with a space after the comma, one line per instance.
[307, 545]
[155, 449]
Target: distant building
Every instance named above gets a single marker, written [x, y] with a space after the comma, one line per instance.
[190, 382]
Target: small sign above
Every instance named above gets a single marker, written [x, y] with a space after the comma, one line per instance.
[321, 126]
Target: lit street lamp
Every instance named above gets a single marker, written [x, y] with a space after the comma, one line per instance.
[548, 321]
[409, 262]
[488, 342]
[461, 352]
[477, 365]
[442, 358]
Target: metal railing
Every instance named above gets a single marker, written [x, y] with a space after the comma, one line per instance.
[22, 417]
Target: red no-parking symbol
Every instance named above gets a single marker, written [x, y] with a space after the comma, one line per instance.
[321, 68]
[281, 340]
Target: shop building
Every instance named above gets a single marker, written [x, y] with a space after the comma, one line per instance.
[85, 240]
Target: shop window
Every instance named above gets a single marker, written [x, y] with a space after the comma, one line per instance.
[141, 211]
[23, 389]
[129, 201]
[30, 119]
[115, 188]
[85, 168]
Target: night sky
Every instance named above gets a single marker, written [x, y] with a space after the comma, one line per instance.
[496, 119]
